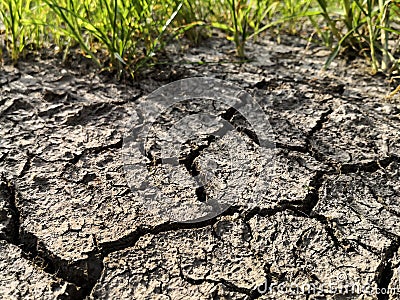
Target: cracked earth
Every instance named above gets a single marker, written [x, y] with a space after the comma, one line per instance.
[324, 210]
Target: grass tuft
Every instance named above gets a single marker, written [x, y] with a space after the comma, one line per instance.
[367, 27]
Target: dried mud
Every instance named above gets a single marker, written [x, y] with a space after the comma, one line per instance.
[71, 228]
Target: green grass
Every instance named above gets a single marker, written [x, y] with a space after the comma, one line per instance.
[245, 20]
[22, 28]
[367, 27]
[126, 35]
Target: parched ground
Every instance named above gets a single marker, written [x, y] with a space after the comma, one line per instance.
[325, 225]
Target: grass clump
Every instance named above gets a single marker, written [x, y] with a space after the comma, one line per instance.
[244, 20]
[120, 35]
[367, 27]
[22, 27]
[130, 32]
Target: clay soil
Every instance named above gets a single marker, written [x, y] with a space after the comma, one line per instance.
[325, 226]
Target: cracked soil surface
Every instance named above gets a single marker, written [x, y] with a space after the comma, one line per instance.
[324, 215]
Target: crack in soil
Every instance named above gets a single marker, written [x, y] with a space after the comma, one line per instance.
[331, 233]
[85, 273]
[369, 166]
[116, 145]
[35, 251]
[3, 156]
[86, 112]
[312, 198]
[228, 116]
[189, 160]
[318, 126]
[85, 282]
[131, 239]
[308, 148]
[27, 165]
[96, 150]
[192, 168]
[385, 270]
[8, 188]
[252, 293]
